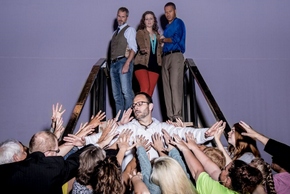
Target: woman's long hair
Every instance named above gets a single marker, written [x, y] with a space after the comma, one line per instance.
[88, 160]
[243, 144]
[171, 178]
[142, 25]
[107, 177]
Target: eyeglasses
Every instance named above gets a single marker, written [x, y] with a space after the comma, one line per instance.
[56, 151]
[138, 104]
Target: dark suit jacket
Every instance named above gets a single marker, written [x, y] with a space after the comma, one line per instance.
[39, 174]
[280, 153]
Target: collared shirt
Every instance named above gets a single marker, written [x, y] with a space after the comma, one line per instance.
[175, 31]
[130, 35]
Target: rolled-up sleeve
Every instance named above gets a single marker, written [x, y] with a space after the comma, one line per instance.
[130, 35]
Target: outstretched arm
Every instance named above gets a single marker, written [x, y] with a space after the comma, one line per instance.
[217, 138]
[209, 166]
[192, 162]
[139, 186]
[145, 165]
[253, 134]
[272, 146]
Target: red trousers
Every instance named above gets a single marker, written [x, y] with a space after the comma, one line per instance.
[147, 80]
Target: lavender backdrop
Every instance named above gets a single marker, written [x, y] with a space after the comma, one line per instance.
[47, 49]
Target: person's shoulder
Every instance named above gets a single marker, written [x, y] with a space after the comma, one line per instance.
[179, 21]
[130, 28]
[142, 31]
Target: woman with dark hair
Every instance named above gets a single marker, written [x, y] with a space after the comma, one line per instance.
[148, 59]
[107, 177]
[88, 161]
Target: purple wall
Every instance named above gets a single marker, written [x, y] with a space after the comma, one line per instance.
[47, 49]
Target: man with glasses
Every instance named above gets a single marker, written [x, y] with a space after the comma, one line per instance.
[42, 171]
[144, 124]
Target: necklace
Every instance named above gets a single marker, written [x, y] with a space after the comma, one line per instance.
[153, 43]
[146, 126]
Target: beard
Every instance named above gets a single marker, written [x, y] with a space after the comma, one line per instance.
[141, 114]
[120, 22]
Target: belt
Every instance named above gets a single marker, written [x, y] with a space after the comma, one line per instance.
[170, 52]
[117, 59]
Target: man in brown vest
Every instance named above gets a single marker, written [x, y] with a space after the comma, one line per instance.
[123, 49]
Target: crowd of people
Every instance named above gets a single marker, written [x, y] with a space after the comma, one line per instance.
[136, 153]
[143, 155]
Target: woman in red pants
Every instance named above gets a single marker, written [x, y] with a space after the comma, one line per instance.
[147, 63]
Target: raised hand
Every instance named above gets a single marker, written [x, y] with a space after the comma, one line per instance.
[84, 130]
[124, 139]
[57, 112]
[140, 140]
[157, 144]
[250, 131]
[110, 127]
[181, 144]
[212, 130]
[108, 133]
[59, 129]
[167, 139]
[126, 117]
[73, 140]
[178, 123]
[219, 132]
[96, 120]
[190, 139]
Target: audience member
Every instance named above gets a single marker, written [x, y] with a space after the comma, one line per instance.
[147, 63]
[121, 67]
[107, 177]
[216, 156]
[236, 177]
[42, 171]
[88, 161]
[240, 147]
[173, 62]
[12, 150]
[167, 173]
[267, 185]
[280, 158]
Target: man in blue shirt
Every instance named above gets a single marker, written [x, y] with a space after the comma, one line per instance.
[173, 62]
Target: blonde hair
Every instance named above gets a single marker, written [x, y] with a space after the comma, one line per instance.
[170, 177]
[216, 156]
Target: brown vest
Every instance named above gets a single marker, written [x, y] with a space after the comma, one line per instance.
[119, 44]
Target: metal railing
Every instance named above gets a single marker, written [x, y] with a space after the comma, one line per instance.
[96, 86]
